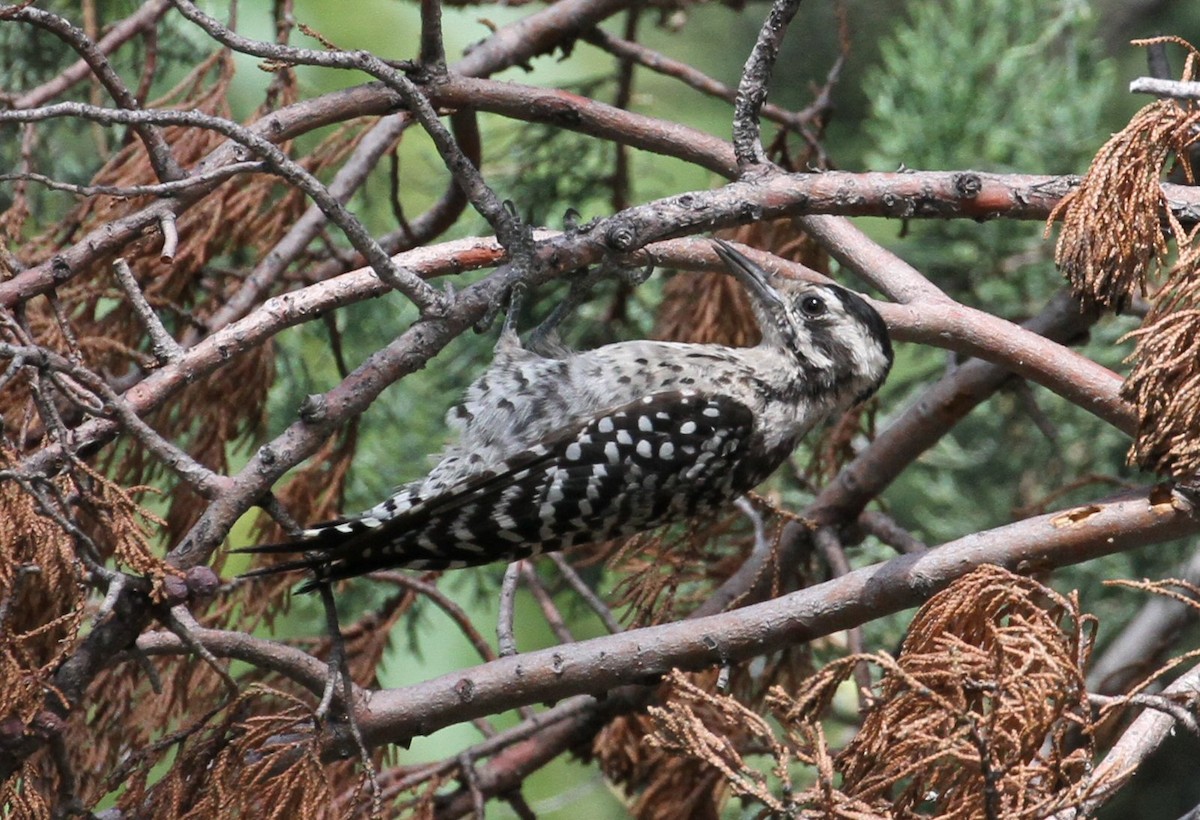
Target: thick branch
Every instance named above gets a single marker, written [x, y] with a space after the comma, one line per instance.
[600, 664]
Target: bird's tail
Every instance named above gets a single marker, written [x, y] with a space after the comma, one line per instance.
[317, 543]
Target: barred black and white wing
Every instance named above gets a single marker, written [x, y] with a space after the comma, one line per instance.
[650, 462]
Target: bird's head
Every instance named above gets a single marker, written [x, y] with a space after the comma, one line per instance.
[839, 341]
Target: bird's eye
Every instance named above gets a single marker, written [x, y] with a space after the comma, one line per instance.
[813, 306]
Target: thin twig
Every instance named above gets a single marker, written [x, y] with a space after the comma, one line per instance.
[170, 235]
[830, 547]
[159, 152]
[456, 613]
[1178, 711]
[606, 616]
[1174, 89]
[23, 571]
[170, 188]
[179, 620]
[752, 88]
[888, 530]
[530, 726]
[554, 618]
[163, 344]
[205, 481]
[688, 75]
[1144, 735]
[508, 604]
[467, 767]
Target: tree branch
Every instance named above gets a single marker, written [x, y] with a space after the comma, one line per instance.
[601, 664]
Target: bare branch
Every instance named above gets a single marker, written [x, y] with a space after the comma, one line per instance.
[752, 89]
[277, 657]
[585, 592]
[433, 50]
[507, 611]
[554, 618]
[142, 20]
[165, 348]
[161, 158]
[687, 74]
[452, 610]
[129, 191]
[1173, 89]
[1123, 760]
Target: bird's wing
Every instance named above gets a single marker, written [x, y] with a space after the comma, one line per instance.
[627, 469]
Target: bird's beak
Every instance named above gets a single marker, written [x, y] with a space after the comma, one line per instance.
[757, 280]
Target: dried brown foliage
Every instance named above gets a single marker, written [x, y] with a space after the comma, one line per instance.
[972, 719]
[46, 526]
[261, 760]
[243, 218]
[1164, 385]
[44, 607]
[41, 606]
[980, 716]
[41, 575]
[665, 582]
[665, 574]
[1113, 222]
[21, 796]
[664, 784]
[1111, 244]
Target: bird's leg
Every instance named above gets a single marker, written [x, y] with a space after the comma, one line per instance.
[635, 276]
[518, 242]
[513, 300]
[516, 300]
[510, 301]
[582, 283]
[542, 336]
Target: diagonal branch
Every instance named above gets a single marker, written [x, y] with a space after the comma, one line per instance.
[161, 159]
[144, 19]
[1035, 544]
[280, 163]
[752, 89]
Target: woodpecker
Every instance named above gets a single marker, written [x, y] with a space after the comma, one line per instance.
[564, 448]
